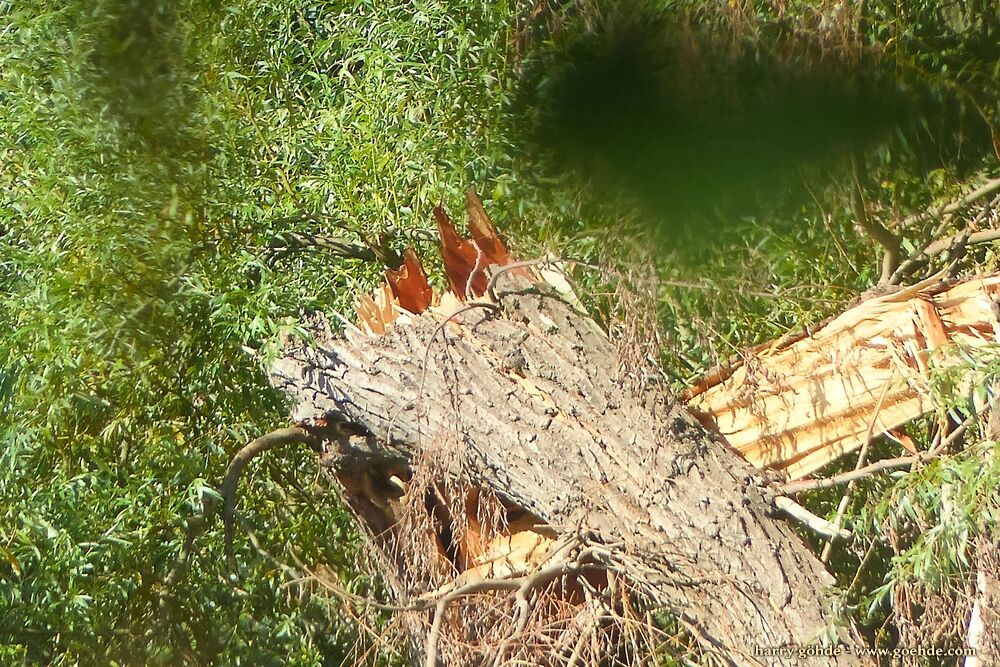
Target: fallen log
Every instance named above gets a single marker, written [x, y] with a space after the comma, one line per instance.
[451, 433]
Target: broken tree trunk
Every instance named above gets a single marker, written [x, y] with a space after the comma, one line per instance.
[505, 422]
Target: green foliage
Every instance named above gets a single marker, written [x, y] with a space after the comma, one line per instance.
[151, 150]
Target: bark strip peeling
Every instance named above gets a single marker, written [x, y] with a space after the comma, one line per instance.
[526, 396]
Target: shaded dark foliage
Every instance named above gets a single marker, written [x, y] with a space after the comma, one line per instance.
[690, 124]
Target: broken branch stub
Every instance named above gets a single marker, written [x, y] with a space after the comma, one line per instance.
[449, 435]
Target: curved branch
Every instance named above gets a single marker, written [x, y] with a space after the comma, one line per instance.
[271, 440]
[286, 242]
[875, 229]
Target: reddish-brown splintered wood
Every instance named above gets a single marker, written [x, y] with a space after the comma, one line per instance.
[464, 262]
[524, 404]
[409, 284]
[483, 232]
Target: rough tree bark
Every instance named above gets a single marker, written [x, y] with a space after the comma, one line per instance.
[525, 394]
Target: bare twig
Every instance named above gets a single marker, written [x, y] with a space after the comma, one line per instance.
[361, 600]
[491, 285]
[559, 565]
[858, 473]
[528, 263]
[289, 571]
[952, 437]
[984, 190]
[531, 583]
[937, 245]
[441, 606]
[492, 307]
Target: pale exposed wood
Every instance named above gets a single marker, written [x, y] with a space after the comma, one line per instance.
[798, 407]
[377, 311]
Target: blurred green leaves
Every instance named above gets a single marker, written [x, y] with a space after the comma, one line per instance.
[150, 151]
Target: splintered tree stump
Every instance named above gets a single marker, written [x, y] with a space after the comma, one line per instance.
[623, 492]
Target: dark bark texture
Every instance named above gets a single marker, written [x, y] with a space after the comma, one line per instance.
[528, 392]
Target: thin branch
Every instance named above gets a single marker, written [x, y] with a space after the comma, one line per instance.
[817, 524]
[800, 486]
[528, 263]
[784, 294]
[867, 471]
[950, 440]
[271, 440]
[289, 571]
[165, 597]
[435, 632]
[986, 189]
[347, 596]
[492, 307]
[441, 606]
[862, 457]
[492, 284]
[578, 648]
[141, 309]
[937, 245]
[531, 583]
[534, 580]
[885, 238]
[986, 236]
